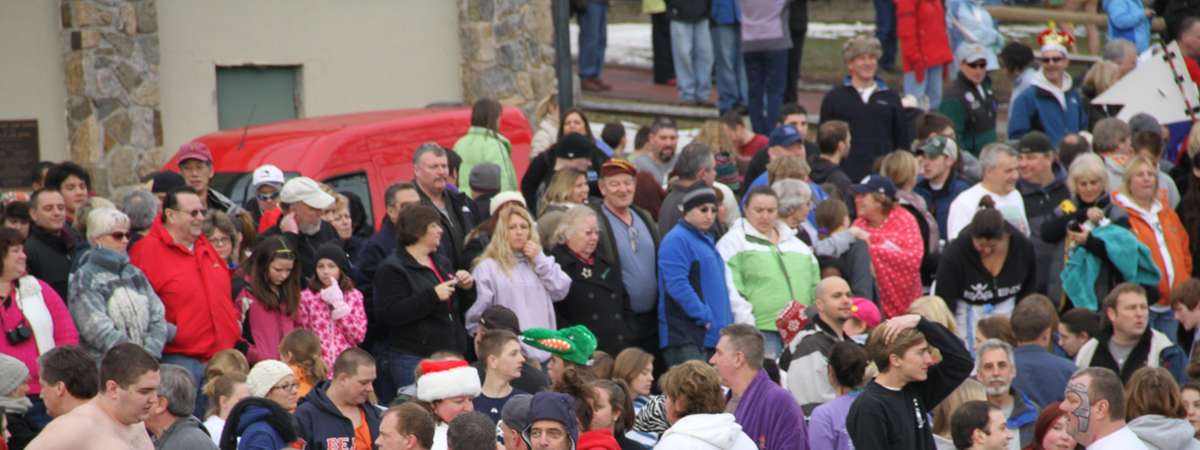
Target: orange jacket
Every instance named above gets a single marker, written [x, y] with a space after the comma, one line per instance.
[1177, 244]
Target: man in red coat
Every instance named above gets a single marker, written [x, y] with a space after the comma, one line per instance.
[192, 280]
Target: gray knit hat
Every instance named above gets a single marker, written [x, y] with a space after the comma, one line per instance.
[13, 374]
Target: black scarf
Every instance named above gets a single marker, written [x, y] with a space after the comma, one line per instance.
[1136, 360]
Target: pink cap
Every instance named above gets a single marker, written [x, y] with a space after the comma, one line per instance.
[866, 311]
[194, 150]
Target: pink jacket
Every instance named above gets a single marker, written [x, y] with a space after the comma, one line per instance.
[64, 332]
[267, 328]
[336, 335]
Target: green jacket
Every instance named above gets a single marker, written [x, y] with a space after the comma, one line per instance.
[765, 275]
[973, 113]
[480, 145]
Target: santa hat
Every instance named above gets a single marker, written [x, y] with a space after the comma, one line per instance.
[1055, 39]
[446, 379]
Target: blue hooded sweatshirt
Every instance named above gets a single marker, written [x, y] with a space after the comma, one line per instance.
[323, 426]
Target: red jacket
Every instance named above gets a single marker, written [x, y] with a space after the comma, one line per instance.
[921, 29]
[597, 440]
[195, 290]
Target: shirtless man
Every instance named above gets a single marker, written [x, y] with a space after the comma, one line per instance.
[114, 418]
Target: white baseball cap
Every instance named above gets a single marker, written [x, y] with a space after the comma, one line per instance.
[304, 189]
[267, 174]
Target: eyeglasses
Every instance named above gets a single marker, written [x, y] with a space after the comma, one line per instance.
[977, 65]
[287, 387]
[633, 237]
[707, 209]
[1052, 59]
[267, 196]
[220, 240]
[119, 235]
[194, 213]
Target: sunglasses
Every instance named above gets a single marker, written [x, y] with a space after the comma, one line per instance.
[120, 235]
[1052, 59]
[977, 65]
[267, 196]
[194, 213]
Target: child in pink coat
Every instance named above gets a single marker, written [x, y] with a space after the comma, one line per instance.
[331, 307]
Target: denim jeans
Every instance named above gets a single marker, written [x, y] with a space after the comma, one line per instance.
[928, 92]
[729, 70]
[680, 354]
[885, 31]
[593, 39]
[398, 371]
[766, 75]
[196, 368]
[1166, 323]
[691, 47]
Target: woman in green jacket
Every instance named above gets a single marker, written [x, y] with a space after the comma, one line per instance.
[483, 142]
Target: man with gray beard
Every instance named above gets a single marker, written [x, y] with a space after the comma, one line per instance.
[301, 225]
[996, 369]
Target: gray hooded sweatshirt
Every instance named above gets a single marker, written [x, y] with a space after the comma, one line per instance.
[1164, 433]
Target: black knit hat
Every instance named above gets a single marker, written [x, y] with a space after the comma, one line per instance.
[165, 181]
[698, 197]
[574, 146]
[334, 252]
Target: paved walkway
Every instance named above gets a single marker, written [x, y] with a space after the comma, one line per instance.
[634, 84]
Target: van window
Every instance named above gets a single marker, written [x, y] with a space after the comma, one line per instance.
[356, 183]
[253, 94]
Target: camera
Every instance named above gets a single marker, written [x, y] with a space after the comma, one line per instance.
[1075, 226]
[19, 334]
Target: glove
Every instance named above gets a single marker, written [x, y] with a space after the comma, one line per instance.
[340, 309]
[332, 294]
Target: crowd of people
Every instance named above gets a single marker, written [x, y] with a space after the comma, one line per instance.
[902, 279]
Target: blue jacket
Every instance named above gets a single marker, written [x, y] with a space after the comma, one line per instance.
[726, 12]
[324, 427]
[938, 201]
[258, 424]
[1127, 20]
[1042, 376]
[1036, 108]
[691, 289]
[1024, 416]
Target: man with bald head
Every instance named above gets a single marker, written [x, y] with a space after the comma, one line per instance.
[808, 378]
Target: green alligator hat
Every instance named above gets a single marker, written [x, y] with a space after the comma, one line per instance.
[575, 344]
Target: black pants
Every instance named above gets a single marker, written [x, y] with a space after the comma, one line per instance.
[660, 39]
[795, 56]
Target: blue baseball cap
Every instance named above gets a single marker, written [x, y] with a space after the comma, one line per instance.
[784, 135]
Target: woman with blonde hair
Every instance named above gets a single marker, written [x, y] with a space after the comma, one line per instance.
[1071, 224]
[902, 168]
[546, 135]
[969, 391]
[1155, 411]
[934, 309]
[514, 272]
[567, 188]
[1143, 209]
[1101, 76]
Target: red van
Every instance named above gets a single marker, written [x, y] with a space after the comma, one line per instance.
[361, 152]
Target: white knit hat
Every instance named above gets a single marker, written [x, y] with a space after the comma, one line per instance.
[446, 379]
[265, 374]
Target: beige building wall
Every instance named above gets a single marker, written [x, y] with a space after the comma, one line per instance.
[31, 76]
[356, 55]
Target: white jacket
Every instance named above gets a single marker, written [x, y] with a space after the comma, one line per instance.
[705, 432]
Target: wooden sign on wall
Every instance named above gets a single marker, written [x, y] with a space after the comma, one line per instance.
[18, 151]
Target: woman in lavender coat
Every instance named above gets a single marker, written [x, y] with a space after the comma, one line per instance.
[513, 272]
[847, 373]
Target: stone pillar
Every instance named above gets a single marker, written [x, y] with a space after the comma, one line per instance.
[507, 51]
[114, 123]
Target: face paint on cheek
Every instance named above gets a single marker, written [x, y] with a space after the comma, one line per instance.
[1084, 411]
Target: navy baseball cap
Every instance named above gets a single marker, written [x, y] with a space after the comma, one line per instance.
[876, 183]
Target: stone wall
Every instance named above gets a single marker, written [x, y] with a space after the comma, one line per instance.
[114, 123]
[507, 51]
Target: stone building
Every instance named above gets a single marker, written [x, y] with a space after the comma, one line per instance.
[118, 85]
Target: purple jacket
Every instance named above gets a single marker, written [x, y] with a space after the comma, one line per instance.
[528, 290]
[770, 416]
[827, 426]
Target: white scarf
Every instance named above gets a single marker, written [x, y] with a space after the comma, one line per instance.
[33, 307]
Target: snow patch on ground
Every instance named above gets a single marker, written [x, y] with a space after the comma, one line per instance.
[629, 43]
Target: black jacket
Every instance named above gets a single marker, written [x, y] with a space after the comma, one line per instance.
[885, 419]
[322, 425]
[597, 299]
[878, 126]
[688, 10]
[541, 170]
[51, 257]
[306, 245]
[961, 276]
[416, 320]
[370, 256]
[454, 228]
